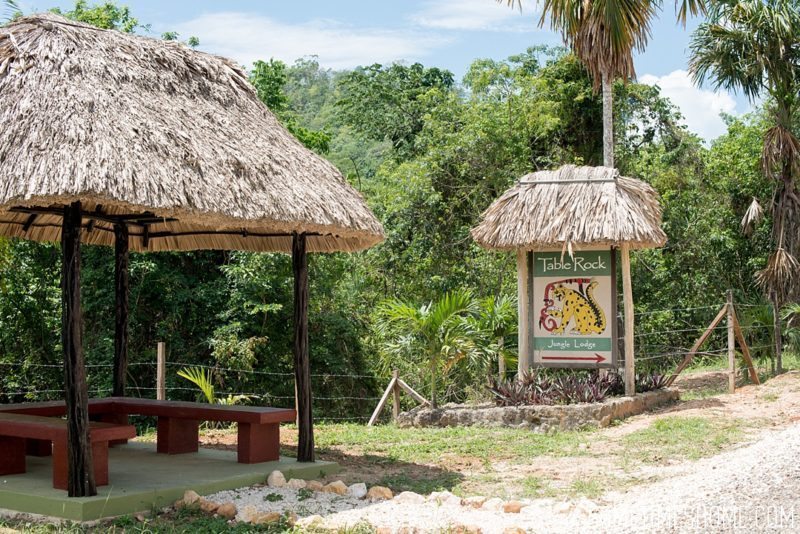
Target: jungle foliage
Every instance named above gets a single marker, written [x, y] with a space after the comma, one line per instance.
[429, 153]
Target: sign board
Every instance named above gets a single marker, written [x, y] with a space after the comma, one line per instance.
[573, 308]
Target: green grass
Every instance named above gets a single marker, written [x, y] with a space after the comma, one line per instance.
[703, 393]
[185, 521]
[389, 444]
[445, 480]
[789, 360]
[677, 437]
[533, 487]
[590, 488]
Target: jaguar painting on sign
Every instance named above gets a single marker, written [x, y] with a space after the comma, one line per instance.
[573, 304]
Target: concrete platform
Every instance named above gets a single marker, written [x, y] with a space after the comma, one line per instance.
[140, 480]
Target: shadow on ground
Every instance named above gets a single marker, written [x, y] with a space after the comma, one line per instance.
[374, 469]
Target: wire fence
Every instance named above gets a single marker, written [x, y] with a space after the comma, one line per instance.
[341, 396]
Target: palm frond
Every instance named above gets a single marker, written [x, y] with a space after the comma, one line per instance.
[780, 145]
[780, 273]
[201, 378]
[686, 8]
[603, 33]
[753, 216]
[11, 11]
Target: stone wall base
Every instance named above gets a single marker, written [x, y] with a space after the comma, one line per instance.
[537, 418]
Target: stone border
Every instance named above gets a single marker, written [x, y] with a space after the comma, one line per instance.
[538, 418]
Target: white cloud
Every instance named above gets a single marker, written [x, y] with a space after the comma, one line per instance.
[701, 108]
[247, 37]
[472, 15]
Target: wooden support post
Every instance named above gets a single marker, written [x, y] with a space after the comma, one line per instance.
[627, 310]
[731, 345]
[396, 384]
[302, 366]
[121, 257]
[396, 391]
[523, 364]
[80, 470]
[697, 344]
[414, 395]
[745, 350]
[389, 389]
[161, 371]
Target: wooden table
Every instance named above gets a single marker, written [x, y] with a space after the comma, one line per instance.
[178, 422]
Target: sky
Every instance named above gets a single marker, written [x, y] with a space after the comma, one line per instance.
[442, 33]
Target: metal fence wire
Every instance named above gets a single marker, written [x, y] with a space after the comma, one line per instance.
[352, 397]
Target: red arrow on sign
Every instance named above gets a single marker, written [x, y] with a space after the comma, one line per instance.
[596, 358]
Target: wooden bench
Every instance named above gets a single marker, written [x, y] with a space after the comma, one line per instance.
[179, 422]
[16, 429]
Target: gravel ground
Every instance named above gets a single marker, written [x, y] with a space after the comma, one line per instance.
[750, 489]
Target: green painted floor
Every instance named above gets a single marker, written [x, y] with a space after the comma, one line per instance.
[141, 480]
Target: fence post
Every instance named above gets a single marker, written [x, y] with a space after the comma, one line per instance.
[161, 371]
[731, 346]
[396, 398]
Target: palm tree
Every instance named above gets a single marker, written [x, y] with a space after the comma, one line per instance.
[437, 331]
[604, 34]
[495, 321]
[753, 46]
[11, 12]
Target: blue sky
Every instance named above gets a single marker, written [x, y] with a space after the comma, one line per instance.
[444, 33]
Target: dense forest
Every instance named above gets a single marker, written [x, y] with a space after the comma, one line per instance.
[429, 152]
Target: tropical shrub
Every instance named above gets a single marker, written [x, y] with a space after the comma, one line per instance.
[558, 387]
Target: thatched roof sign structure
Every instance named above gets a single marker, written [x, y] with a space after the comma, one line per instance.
[147, 145]
[569, 209]
[573, 207]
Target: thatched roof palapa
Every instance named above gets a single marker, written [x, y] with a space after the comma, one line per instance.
[175, 139]
[573, 207]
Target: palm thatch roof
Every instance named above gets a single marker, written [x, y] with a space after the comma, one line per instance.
[173, 141]
[572, 207]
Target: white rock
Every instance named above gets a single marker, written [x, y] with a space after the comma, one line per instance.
[379, 493]
[249, 513]
[227, 510]
[563, 507]
[585, 506]
[453, 500]
[296, 483]
[310, 521]
[494, 504]
[359, 491]
[474, 501]
[440, 497]
[276, 480]
[337, 486]
[190, 497]
[409, 497]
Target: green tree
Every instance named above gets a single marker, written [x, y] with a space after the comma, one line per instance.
[604, 34]
[107, 15]
[753, 46]
[437, 332]
[496, 323]
[269, 79]
[386, 102]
